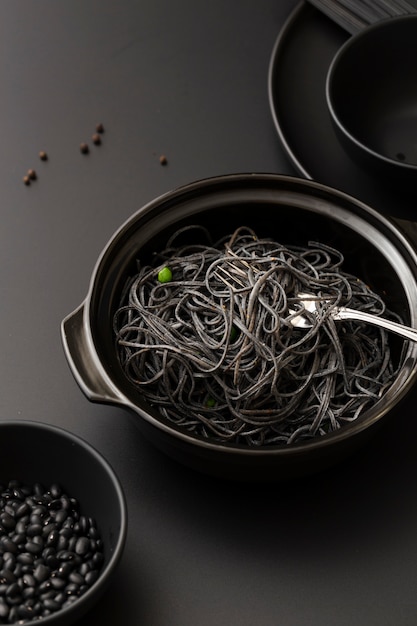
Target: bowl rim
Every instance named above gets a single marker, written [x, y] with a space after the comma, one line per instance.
[351, 42]
[87, 600]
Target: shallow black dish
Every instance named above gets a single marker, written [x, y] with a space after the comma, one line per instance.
[371, 94]
[32, 452]
[299, 63]
[291, 210]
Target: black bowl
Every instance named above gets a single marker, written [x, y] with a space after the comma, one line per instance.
[32, 452]
[292, 211]
[371, 94]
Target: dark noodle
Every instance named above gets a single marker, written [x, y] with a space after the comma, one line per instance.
[214, 348]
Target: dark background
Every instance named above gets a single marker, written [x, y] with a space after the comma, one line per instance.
[188, 80]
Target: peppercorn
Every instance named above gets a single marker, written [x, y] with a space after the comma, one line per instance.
[84, 148]
[32, 174]
[96, 139]
[163, 160]
[43, 156]
[100, 128]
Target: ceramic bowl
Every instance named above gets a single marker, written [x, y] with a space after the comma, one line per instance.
[371, 94]
[36, 457]
[291, 211]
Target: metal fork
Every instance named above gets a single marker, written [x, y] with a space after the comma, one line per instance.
[309, 303]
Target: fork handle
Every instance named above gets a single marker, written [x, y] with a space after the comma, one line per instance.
[344, 313]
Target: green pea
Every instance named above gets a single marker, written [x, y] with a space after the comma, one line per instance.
[210, 402]
[164, 275]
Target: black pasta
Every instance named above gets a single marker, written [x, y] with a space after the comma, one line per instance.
[206, 334]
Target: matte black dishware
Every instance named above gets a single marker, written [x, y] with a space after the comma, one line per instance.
[371, 93]
[33, 453]
[292, 211]
[354, 15]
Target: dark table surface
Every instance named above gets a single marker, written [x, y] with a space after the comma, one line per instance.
[187, 80]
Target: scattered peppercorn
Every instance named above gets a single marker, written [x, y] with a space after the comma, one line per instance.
[43, 156]
[26, 180]
[32, 174]
[96, 139]
[84, 148]
[163, 160]
[100, 128]
[165, 275]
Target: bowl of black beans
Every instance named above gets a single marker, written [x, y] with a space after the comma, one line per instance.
[63, 524]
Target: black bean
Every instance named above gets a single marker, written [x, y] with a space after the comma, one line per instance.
[84, 568]
[4, 609]
[10, 509]
[55, 490]
[9, 545]
[72, 589]
[52, 537]
[28, 593]
[57, 582]
[45, 586]
[65, 569]
[69, 522]
[38, 489]
[13, 590]
[22, 509]
[61, 516]
[19, 539]
[67, 532]
[93, 533]
[51, 604]
[6, 576]
[40, 511]
[52, 561]
[33, 548]
[34, 529]
[7, 521]
[48, 528]
[41, 572]
[10, 563]
[25, 612]
[55, 504]
[38, 539]
[25, 558]
[29, 580]
[13, 615]
[35, 519]
[82, 546]
[62, 543]
[77, 578]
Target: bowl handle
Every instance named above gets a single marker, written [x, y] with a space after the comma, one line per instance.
[85, 369]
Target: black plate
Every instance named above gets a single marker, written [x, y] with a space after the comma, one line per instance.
[297, 76]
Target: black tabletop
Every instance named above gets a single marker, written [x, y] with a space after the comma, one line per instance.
[187, 80]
